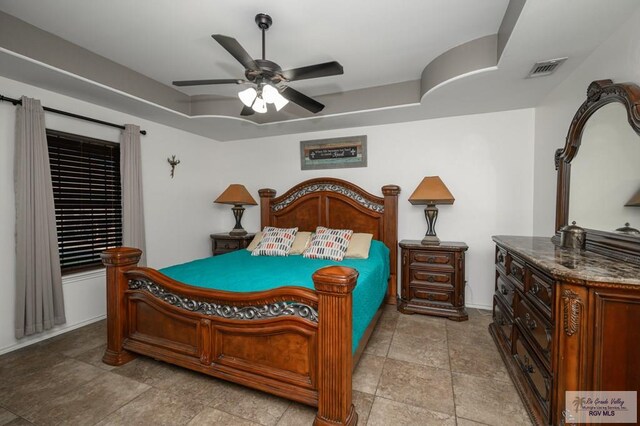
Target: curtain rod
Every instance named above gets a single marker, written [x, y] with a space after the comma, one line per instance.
[69, 114]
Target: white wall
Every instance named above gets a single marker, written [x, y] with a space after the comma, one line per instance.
[179, 212]
[485, 160]
[617, 59]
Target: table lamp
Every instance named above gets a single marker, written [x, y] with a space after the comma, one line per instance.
[237, 195]
[431, 191]
[634, 201]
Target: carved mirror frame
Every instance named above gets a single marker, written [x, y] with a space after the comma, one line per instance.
[599, 94]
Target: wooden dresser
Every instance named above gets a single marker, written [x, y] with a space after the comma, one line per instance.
[433, 279]
[564, 320]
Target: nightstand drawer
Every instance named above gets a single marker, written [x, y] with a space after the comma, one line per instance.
[432, 259]
[227, 245]
[423, 277]
[423, 294]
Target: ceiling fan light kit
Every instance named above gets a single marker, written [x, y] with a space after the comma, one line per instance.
[268, 79]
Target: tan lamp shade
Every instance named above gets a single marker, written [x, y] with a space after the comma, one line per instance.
[431, 191]
[634, 201]
[236, 194]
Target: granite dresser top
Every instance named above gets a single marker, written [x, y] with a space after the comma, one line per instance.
[571, 264]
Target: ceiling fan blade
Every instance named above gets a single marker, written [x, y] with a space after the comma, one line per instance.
[303, 100]
[232, 46]
[313, 71]
[247, 111]
[205, 82]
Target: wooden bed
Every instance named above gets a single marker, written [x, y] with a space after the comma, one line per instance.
[291, 341]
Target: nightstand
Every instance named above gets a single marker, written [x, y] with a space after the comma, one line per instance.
[432, 279]
[224, 243]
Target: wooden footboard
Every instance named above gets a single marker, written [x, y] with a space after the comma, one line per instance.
[291, 341]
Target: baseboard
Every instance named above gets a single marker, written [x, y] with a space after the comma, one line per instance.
[50, 333]
[485, 307]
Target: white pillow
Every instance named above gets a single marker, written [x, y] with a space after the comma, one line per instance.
[359, 246]
[275, 241]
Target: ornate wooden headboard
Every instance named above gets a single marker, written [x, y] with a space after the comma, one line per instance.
[336, 203]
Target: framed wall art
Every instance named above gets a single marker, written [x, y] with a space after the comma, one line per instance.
[335, 153]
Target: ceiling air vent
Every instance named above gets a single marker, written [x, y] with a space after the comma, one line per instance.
[541, 69]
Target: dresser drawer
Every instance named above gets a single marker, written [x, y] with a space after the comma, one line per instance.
[431, 259]
[536, 327]
[539, 379]
[506, 290]
[516, 271]
[431, 278]
[539, 289]
[503, 320]
[501, 259]
[423, 294]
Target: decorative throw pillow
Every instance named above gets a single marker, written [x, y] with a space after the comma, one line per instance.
[275, 241]
[300, 243]
[359, 246]
[328, 244]
[256, 240]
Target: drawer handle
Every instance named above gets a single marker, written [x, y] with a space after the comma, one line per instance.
[500, 319]
[530, 323]
[500, 258]
[430, 297]
[431, 260]
[527, 367]
[516, 271]
[504, 290]
[431, 278]
[535, 289]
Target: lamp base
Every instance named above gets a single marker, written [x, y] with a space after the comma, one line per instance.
[238, 230]
[431, 214]
[430, 240]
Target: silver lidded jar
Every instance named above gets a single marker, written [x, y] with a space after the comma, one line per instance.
[573, 237]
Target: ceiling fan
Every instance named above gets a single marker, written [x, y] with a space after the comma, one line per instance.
[268, 81]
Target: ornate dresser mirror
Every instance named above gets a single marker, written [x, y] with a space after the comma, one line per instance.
[599, 171]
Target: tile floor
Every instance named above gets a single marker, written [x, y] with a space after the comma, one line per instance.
[416, 370]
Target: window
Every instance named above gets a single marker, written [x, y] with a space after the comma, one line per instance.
[85, 174]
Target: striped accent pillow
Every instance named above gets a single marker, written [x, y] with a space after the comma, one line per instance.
[329, 244]
[275, 241]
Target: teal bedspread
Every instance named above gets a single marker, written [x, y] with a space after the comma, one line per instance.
[240, 272]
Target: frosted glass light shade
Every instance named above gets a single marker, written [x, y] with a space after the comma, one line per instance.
[280, 101]
[259, 105]
[269, 93]
[247, 96]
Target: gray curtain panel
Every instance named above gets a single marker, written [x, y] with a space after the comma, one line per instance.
[132, 207]
[39, 299]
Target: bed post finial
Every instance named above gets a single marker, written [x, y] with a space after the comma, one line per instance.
[334, 285]
[118, 261]
[266, 194]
